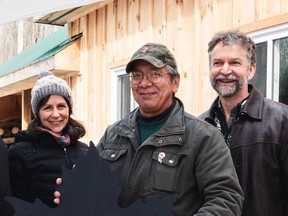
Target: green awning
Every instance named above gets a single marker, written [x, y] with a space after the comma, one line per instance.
[43, 49]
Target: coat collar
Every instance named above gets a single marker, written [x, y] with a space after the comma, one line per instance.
[254, 104]
[174, 123]
[252, 108]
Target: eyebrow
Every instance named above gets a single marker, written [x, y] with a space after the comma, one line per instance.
[60, 103]
[229, 59]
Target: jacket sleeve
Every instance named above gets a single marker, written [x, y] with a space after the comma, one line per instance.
[4, 175]
[19, 177]
[216, 176]
[284, 171]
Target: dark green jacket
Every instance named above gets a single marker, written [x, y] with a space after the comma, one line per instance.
[197, 165]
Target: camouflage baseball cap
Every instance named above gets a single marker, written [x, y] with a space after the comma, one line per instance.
[156, 54]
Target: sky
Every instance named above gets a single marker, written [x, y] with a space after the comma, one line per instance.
[12, 10]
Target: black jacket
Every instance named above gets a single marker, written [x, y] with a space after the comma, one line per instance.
[5, 208]
[36, 164]
[4, 176]
[259, 148]
[187, 157]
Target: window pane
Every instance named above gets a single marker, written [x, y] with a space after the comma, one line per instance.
[260, 77]
[123, 96]
[283, 70]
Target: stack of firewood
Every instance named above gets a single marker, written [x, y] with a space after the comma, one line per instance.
[8, 129]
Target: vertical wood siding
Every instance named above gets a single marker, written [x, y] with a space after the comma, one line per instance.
[113, 33]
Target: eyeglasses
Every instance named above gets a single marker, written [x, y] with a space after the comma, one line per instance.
[153, 76]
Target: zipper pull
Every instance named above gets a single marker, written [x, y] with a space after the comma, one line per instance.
[69, 163]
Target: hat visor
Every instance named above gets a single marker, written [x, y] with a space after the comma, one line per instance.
[155, 62]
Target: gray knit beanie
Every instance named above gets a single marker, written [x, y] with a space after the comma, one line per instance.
[48, 84]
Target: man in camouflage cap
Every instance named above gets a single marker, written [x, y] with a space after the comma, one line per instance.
[165, 151]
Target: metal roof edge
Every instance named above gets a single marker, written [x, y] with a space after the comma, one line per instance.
[39, 51]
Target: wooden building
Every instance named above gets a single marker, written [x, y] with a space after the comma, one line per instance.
[109, 32]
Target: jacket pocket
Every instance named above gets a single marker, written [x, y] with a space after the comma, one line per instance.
[112, 154]
[166, 168]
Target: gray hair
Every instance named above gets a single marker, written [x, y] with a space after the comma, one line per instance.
[174, 73]
[231, 37]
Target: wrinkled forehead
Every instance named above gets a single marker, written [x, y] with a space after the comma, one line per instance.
[235, 50]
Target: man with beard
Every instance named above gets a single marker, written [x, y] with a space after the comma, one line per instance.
[255, 128]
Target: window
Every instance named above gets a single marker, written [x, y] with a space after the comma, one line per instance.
[122, 100]
[271, 76]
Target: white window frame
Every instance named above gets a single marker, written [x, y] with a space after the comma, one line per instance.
[115, 73]
[269, 35]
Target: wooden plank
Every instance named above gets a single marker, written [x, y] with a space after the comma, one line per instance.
[69, 58]
[244, 12]
[159, 24]
[283, 6]
[264, 23]
[74, 28]
[185, 54]
[173, 9]
[121, 29]
[133, 23]
[84, 10]
[213, 16]
[267, 8]
[110, 29]
[222, 16]
[26, 109]
[102, 74]
[145, 20]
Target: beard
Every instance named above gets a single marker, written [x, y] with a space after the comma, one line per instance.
[227, 90]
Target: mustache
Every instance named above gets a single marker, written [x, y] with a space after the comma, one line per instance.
[230, 77]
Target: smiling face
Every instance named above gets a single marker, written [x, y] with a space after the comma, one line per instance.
[153, 99]
[54, 114]
[230, 71]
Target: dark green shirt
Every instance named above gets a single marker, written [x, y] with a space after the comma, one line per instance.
[148, 126]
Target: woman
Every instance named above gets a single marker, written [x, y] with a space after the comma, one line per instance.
[50, 142]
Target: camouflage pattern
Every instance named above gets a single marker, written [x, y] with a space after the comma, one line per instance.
[156, 54]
